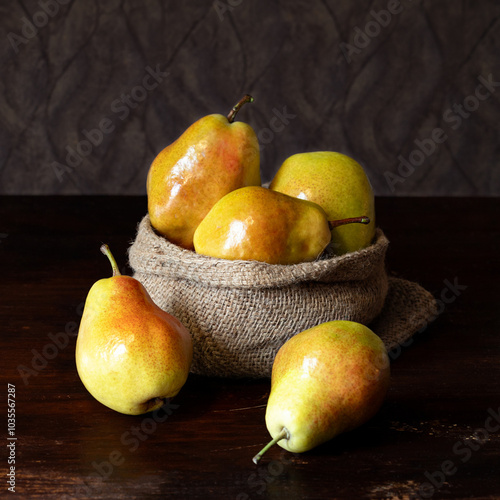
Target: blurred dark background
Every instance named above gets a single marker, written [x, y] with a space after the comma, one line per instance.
[92, 91]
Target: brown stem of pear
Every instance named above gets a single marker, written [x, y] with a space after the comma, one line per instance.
[107, 252]
[362, 220]
[232, 114]
[284, 434]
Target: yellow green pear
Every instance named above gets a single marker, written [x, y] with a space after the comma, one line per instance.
[213, 157]
[254, 223]
[326, 380]
[130, 354]
[338, 184]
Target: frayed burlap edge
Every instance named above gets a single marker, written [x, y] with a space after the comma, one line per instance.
[408, 308]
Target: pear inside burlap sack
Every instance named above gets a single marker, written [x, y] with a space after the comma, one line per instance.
[240, 313]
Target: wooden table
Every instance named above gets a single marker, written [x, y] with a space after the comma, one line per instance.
[436, 436]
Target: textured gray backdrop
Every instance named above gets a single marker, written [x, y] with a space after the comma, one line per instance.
[92, 91]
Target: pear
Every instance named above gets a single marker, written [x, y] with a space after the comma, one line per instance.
[326, 380]
[339, 185]
[213, 157]
[130, 355]
[254, 223]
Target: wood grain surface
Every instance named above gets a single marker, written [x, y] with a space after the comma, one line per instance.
[92, 91]
[436, 436]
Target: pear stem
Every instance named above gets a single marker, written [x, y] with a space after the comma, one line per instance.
[284, 434]
[107, 252]
[362, 220]
[232, 114]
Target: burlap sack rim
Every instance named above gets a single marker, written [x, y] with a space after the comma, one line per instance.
[167, 259]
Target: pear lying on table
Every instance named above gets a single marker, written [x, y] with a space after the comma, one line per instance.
[326, 380]
[338, 184]
[254, 223]
[213, 157]
[130, 354]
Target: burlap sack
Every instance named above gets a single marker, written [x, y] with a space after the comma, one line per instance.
[240, 313]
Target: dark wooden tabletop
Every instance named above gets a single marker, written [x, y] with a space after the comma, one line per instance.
[436, 436]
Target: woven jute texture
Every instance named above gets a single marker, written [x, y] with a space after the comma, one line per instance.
[240, 313]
